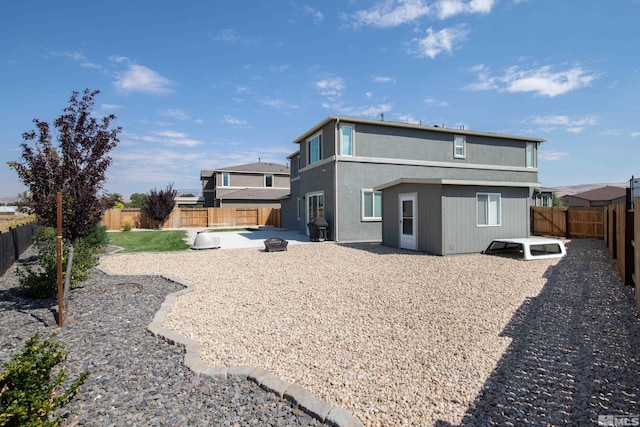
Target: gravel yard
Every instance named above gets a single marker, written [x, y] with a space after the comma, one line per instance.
[400, 338]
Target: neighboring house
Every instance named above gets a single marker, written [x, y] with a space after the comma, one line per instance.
[543, 197]
[252, 185]
[602, 196]
[456, 189]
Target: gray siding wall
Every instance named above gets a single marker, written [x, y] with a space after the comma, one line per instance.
[289, 212]
[413, 144]
[429, 216]
[461, 234]
[353, 177]
[447, 218]
[253, 180]
[318, 179]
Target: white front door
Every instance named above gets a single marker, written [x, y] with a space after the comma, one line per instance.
[408, 224]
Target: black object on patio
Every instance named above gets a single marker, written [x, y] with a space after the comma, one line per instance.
[318, 229]
[274, 244]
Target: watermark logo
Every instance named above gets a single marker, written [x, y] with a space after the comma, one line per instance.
[619, 420]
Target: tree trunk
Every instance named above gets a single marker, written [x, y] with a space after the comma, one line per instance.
[67, 279]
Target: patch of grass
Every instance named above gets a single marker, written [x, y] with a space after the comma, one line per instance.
[149, 241]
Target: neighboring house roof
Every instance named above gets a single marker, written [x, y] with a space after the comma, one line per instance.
[258, 167]
[257, 194]
[411, 126]
[602, 194]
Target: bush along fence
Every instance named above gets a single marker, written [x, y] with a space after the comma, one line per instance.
[117, 219]
[14, 242]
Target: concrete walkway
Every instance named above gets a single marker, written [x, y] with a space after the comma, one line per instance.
[253, 238]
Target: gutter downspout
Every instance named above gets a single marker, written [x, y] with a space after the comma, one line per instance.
[335, 182]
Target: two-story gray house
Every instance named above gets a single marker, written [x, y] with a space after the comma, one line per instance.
[426, 188]
[258, 184]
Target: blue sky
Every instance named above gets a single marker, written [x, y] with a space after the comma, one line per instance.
[203, 84]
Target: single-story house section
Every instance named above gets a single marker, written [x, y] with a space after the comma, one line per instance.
[448, 216]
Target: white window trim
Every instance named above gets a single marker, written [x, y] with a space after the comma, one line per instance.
[222, 175]
[273, 184]
[320, 142]
[353, 138]
[369, 218]
[464, 147]
[306, 205]
[530, 146]
[499, 224]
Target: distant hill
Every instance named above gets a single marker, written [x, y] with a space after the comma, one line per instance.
[575, 189]
[8, 200]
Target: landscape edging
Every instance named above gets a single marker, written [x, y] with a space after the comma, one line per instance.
[309, 403]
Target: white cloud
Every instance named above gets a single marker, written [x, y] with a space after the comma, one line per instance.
[139, 78]
[233, 121]
[407, 118]
[175, 113]
[432, 101]
[383, 79]
[371, 111]
[118, 59]
[448, 8]
[169, 137]
[575, 124]
[552, 155]
[275, 103]
[390, 13]
[436, 42]
[635, 134]
[230, 36]
[543, 81]
[111, 107]
[317, 16]
[278, 68]
[331, 86]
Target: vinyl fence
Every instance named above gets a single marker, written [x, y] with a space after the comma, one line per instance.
[116, 219]
[14, 242]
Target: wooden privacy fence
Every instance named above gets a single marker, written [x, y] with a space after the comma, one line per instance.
[622, 236]
[116, 219]
[572, 222]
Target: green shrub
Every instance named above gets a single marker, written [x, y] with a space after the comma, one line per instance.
[29, 393]
[41, 281]
[127, 226]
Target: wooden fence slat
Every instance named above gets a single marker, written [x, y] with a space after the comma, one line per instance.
[115, 219]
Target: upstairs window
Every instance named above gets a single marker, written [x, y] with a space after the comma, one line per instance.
[459, 147]
[489, 209]
[530, 156]
[225, 179]
[268, 180]
[371, 205]
[315, 149]
[295, 167]
[346, 140]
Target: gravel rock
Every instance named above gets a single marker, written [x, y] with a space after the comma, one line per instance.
[400, 338]
[136, 379]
